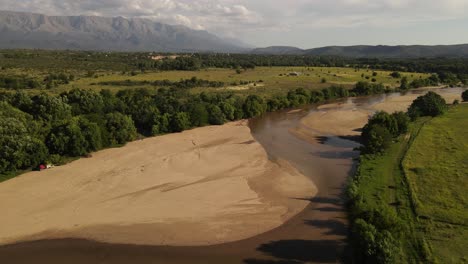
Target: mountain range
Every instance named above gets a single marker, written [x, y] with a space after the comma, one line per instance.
[28, 30]
[19, 30]
[380, 51]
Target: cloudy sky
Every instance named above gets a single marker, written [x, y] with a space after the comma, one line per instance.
[302, 23]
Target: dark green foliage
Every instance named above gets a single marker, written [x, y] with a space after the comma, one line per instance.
[180, 122]
[20, 147]
[120, 127]
[84, 101]
[254, 105]
[465, 96]
[385, 120]
[216, 116]
[379, 131]
[228, 110]
[66, 139]
[53, 80]
[448, 77]
[187, 83]
[49, 108]
[91, 133]
[316, 96]
[402, 121]
[198, 114]
[430, 104]
[377, 138]
[396, 75]
[365, 88]
[298, 97]
[433, 80]
[19, 82]
[404, 84]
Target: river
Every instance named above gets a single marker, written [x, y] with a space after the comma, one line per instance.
[316, 235]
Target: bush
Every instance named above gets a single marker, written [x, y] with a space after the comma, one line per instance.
[377, 138]
[396, 75]
[465, 96]
[402, 121]
[430, 104]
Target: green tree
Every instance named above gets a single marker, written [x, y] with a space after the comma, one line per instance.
[404, 84]
[216, 116]
[66, 139]
[465, 96]
[198, 114]
[402, 121]
[364, 235]
[253, 106]
[376, 138]
[229, 110]
[84, 101]
[396, 75]
[430, 104]
[385, 120]
[120, 127]
[50, 108]
[180, 121]
[20, 146]
[92, 134]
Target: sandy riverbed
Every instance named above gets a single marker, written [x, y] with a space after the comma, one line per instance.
[204, 186]
[346, 119]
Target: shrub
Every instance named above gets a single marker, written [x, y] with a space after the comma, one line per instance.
[376, 138]
[465, 96]
[430, 104]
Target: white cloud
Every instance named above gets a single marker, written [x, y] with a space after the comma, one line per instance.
[236, 18]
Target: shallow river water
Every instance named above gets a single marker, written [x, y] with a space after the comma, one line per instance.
[316, 235]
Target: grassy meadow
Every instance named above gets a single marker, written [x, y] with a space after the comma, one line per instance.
[437, 170]
[423, 178]
[262, 80]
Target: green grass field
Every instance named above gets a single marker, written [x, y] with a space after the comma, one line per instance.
[437, 169]
[268, 79]
[423, 177]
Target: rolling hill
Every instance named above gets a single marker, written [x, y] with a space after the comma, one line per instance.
[380, 51]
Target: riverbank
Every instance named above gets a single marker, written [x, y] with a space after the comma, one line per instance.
[348, 117]
[190, 188]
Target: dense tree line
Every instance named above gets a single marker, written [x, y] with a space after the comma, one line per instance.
[79, 121]
[16, 82]
[187, 83]
[19, 82]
